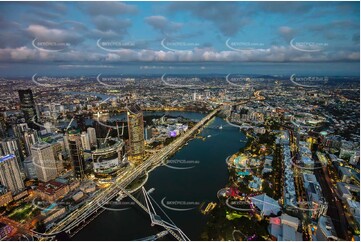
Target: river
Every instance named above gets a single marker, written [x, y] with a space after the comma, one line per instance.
[206, 173]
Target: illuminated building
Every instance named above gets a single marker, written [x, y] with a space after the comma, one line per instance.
[44, 161]
[52, 190]
[76, 154]
[30, 137]
[28, 107]
[11, 146]
[85, 142]
[4, 231]
[108, 160]
[325, 229]
[92, 136]
[10, 174]
[5, 196]
[136, 133]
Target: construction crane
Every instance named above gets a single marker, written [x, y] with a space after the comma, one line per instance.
[71, 121]
[107, 137]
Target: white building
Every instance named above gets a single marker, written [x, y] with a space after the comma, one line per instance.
[92, 136]
[44, 161]
[85, 141]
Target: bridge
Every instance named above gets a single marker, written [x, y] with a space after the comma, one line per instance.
[80, 216]
[155, 218]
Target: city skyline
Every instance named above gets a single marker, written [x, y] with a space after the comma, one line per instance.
[206, 121]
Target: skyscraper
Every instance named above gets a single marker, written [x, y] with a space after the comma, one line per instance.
[92, 136]
[30, 137]
[44, 161]
[10, 174]
[28, 106]
[76, 154]
[85, 142]
[29, 168]
[136, 133]
[12, 146]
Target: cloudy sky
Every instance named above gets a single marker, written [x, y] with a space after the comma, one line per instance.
[195, 37]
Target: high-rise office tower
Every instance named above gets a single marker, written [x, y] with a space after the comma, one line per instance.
[19, 129]
[57, 151]
[136, 133]
[12, 146]
[29, 168]
[44, 161]
[30, 137]
[92, 136]
[10, 174]
[76, 154]
[28, 106]
[85, 142]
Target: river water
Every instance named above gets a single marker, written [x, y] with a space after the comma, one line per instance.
[182, 190]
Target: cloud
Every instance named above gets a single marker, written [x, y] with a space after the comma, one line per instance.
[334, 30]
[106, 24]
[285, 7]
[228, 17]
[271, 54]
[108, 8]
[11, 34]
[43, 33]
[287, 33]
[162, 24]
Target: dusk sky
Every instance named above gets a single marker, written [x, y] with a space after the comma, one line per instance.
[86, 38]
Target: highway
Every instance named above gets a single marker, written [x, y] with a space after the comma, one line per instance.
[81, 214]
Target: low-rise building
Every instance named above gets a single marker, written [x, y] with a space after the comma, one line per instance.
[325, 229]
[315, 197]
[88, 187]
[5, 197]
[4, 230]
[52, 190]
[21, 195]
[285, 228]
[55, 214]
[353, 207]
[345, 174]
[343, 191]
